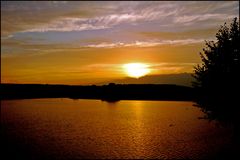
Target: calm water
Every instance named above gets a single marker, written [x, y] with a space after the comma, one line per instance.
[71, 129]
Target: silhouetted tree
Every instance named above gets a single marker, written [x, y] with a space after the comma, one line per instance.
[217, 78]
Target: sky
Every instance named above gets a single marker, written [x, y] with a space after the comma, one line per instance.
[61, 42]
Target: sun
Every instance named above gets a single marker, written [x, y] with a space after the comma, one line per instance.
[136, 70]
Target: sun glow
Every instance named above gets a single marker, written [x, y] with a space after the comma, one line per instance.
[136, 70]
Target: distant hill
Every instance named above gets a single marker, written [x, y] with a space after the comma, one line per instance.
[183, 79]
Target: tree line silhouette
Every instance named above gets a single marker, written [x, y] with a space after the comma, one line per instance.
[111, 92]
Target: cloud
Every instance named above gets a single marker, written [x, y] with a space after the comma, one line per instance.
[67, 25]
[168, 13]
[118, 22]
[201, 17]
[102, 22]
[115, 66]
[147, 43]
[155, 68]
[73, 16]
[108, 20]
[22, 16]
[13, 47]
[164, 68]
[189, 34]
[6, 37]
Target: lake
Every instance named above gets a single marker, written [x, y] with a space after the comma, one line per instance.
[61, 128]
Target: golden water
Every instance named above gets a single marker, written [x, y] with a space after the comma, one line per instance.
[71, 129]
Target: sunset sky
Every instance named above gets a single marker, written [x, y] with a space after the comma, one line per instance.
[89, 42]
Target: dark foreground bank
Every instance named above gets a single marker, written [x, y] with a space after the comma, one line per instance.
[111, 92]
